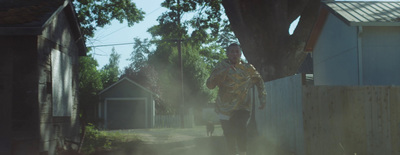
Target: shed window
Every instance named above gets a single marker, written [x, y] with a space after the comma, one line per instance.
[61, 83]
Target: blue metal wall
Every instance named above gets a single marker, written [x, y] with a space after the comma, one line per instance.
[381, 55]
[335, 54]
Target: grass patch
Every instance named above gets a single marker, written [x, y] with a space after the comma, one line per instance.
[98, 141]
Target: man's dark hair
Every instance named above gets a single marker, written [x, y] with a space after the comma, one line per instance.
[232, 45]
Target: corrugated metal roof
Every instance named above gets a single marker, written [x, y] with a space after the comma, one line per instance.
[366, 13]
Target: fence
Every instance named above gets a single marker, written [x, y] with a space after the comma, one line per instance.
[281, 120]
[173, 121]
[331, 120]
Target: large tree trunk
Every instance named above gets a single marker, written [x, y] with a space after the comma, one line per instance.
[262, 29]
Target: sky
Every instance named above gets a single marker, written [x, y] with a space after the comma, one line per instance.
[120, 33]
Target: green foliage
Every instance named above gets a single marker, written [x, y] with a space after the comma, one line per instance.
[89, 76]
[165, 60]
[210, 34]
[212, 54]
[89, 84]
[110, 71]
[97, 141]
[195, 75]
[226, 36]
[140, 71]
[202, 48]
[207, 13]
[206, 26]
[98, 13]
[148, 77]
[138, 58]
[94, 139]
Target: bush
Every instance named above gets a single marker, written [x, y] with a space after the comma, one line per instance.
[95, 139]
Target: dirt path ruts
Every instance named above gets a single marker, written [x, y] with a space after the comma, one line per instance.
[174, 142]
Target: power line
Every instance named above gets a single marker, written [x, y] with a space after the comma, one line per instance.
[154, 10]
[126, 25]
[114, 31]
[111, 44]
[173, 40]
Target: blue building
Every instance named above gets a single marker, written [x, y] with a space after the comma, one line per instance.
[356, 43]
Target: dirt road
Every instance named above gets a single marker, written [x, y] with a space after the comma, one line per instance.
[191, 141]
[188, 141]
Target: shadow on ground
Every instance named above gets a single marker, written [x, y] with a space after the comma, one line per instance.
[214, 145]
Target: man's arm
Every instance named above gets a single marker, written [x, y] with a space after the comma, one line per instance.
[259, 82]
[217, 75]
[262, 93]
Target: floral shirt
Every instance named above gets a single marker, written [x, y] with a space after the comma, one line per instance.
[234, 83]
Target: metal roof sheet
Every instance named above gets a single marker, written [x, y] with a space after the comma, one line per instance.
[366, 13]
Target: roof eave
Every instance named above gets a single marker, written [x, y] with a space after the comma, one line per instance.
[316, 30]
[131, 81]
[374, 24]
[8, 31]
[74, 25]
[333, 12]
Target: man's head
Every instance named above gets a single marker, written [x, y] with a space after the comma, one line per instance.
[234, 53]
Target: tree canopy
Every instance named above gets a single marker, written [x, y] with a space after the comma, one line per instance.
[110, 72]
[89, 84]
[98, 13]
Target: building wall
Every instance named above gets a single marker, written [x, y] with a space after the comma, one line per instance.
[335, 54]
[6, 93]
[127, 91]
[380, 55]
[59, 121]
[20, 94]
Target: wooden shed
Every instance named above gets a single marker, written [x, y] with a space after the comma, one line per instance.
[126, 105]
[356, 43]
[40, 42]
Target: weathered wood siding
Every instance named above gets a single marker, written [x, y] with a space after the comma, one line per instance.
[331, 120]
[348, 120]
[58, 126]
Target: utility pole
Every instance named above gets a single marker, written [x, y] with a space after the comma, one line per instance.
[182, 105]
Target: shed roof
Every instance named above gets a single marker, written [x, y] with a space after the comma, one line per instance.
[366, 13]
[356, 13]
[129, 80]
[32, 17]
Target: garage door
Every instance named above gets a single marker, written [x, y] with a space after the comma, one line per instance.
[126, 114]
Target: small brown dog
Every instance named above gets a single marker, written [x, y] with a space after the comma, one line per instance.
[210, 128]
